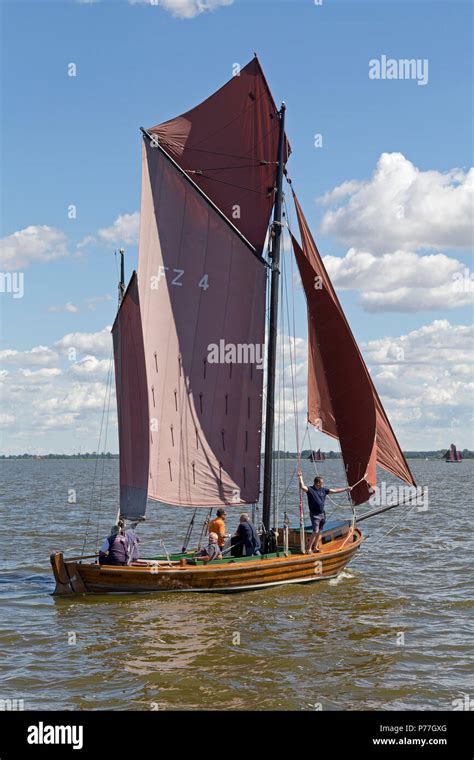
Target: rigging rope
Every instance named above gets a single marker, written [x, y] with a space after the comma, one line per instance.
[292, 350]
[224, 168]
[231, 155]
[89, 512]
[204, 527]
[238, 187]
[103, 464]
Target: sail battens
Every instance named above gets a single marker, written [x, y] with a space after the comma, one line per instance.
[342, 400]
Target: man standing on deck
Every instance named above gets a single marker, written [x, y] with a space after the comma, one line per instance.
[316, 498]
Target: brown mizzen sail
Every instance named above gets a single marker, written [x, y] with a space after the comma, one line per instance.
[132, 404]
[342, 400]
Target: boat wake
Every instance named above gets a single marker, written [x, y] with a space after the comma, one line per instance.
[341, 577]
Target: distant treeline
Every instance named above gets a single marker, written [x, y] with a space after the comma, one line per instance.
[87, 455]
[466, 454]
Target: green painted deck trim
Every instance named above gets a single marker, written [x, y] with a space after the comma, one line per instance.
[189, 555]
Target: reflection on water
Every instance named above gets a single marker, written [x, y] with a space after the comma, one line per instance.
[392, 632]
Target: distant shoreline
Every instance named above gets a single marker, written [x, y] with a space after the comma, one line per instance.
[431, 455]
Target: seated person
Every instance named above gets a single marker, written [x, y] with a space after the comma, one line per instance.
[211, 551]
[248, 535]
[114, 550]
[133, 541]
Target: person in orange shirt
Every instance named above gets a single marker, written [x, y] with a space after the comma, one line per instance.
[218, 526]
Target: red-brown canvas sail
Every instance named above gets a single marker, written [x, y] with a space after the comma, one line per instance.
[342, 400]
[228, 144]
[132, 404]
[202, 297]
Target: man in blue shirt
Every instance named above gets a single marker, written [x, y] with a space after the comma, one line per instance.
[248, 535]
[316, 498]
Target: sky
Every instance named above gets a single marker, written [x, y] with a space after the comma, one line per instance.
[381, 165]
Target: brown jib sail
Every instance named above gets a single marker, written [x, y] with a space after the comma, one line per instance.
[342, 400]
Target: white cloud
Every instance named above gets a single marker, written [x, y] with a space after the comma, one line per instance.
[67, 307]
[403, 281]
[99, 343]
[32, 245]
[424, 377]
[40, 374]
[92, 302]
[438, 343]
[87, 240]
[39, 355]
[402, 207]
[184, 8]
[427, 377]
[124, 230]
[78, 398]
[54, 404]
[90, 366]
[6, 420]
[349, 187]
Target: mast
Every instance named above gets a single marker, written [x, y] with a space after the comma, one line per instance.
[273, 327]
[121, 285]
[121, 292]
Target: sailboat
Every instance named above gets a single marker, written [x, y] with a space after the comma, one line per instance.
[317, 456]
[452, 454]
[189, 406]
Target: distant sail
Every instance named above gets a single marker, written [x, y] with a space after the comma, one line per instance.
[228, 145]
[342, 400]
[201, 286]
[317, 456]
[452, 455]
[132, 404]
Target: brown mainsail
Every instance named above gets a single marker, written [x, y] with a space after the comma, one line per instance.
[342, 400]
[202, 296]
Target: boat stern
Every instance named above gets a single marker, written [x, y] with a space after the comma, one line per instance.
[66, 575]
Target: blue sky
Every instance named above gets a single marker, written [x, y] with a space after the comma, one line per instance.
[75, 140]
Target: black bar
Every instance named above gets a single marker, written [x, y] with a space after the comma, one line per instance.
[375, 734]
[273, 329]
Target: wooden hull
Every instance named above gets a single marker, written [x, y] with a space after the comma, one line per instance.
[79, 577]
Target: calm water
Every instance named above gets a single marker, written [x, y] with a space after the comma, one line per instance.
[395, 631]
